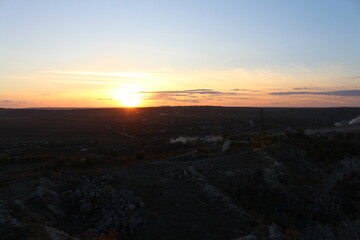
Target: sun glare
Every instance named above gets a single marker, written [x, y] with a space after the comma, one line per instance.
[128, 96]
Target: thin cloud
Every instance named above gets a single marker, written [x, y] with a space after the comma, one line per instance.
[344, 93]
[121, 75]
[199, 90]
[193, 95]
[10, 103]
[6, 101]
[236, 98]
[244, 90]
[350, 77]
[166, 97]
[83, 82]
[191, 91]
[302, 88]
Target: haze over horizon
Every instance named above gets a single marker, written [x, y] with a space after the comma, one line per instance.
[152, 53]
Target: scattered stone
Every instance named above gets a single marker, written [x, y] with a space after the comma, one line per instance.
[248, 237]
[55, 234]
[89, 203]
[85, 206]
[275, 232]
[10, 227]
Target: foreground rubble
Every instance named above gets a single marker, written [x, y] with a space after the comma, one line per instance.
[83, 206]
[288, 188]
[293, 198]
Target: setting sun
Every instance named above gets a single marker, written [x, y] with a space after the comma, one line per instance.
[128, 96]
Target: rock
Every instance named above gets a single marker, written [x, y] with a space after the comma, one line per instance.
[226, 145]
[55, 234]
[215, 197]
[94, 208]
[85, 206]
[275, 232]
[92, 194]
[270, 177]
[248, 237]
[43, 205]
[78, 193]
[131, 206]
[10, 227]
[230, 174]
[52, 201]
[355, 121]
[68, 196]
[338, 124]
[92, 232]
[107, 210]
[47, 183]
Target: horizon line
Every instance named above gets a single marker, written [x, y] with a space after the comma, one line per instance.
[162, 106]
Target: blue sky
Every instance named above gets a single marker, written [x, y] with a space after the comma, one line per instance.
[181, 42]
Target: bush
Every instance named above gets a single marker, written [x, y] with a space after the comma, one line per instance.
[4, 158]
[34, 184]
[108, 188]
[140, 155]
[107, 236]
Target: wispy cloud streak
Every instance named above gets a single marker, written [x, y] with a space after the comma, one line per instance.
[122, 75]
[344, 93]
[194, 96]
[190, 92]
[351, 77]
[82, 82]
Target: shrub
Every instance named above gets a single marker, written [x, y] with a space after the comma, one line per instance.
[55, 175]
[4, 157]
[107, 236]
[34, 184]
[108, 188]
[140, 155]
[292, 233]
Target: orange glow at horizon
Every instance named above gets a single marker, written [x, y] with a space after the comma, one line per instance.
[176, 88]
[128, 96]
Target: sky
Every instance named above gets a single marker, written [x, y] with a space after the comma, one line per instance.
[268, 53]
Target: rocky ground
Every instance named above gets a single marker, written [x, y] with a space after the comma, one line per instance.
[290, 186]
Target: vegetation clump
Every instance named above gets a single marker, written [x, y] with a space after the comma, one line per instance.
[4, 158]
[140, 155]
